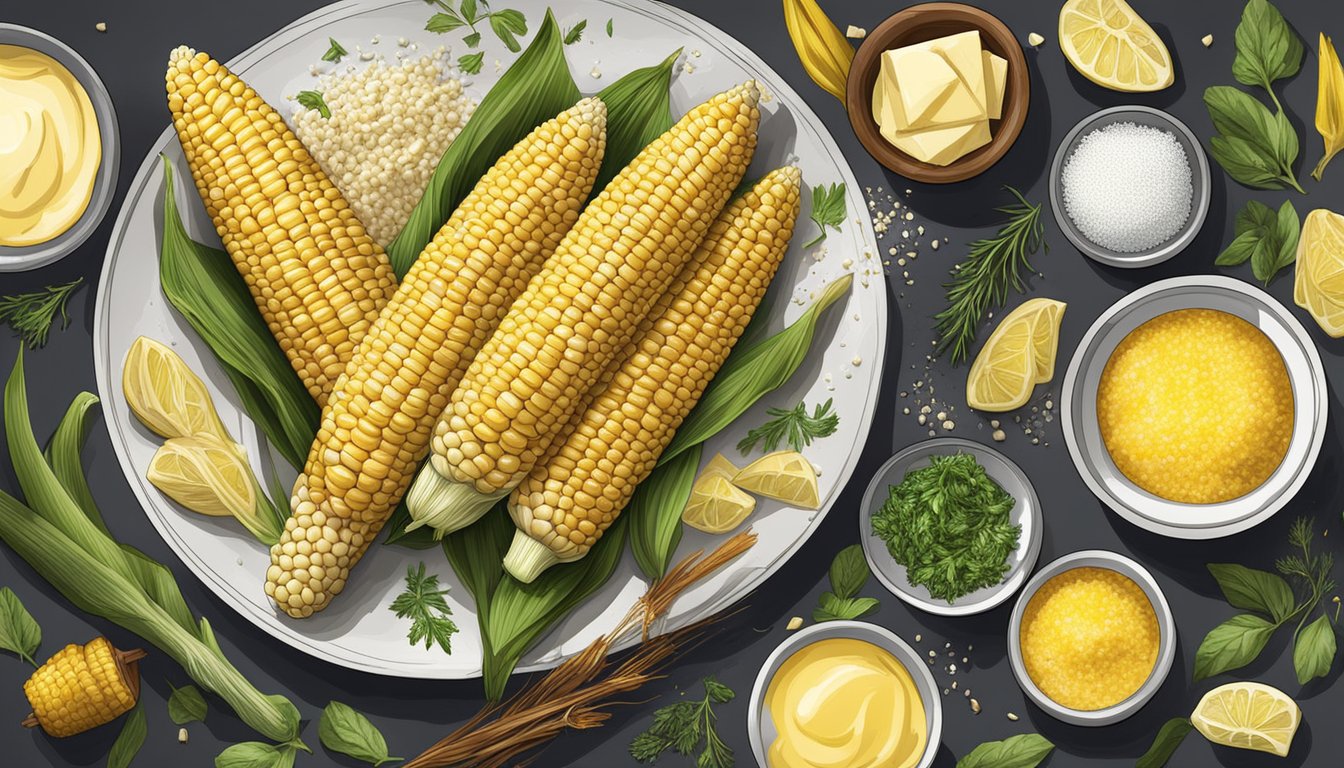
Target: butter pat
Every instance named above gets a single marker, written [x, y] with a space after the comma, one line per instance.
[996, 77]
[941, 146]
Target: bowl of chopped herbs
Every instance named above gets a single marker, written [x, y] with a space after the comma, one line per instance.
[951, 526]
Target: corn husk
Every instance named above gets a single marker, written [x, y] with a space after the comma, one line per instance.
[824, 50]
[1329, 104]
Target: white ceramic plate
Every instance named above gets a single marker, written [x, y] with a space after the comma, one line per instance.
[357, 631]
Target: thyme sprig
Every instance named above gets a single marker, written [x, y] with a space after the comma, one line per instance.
[32, 314]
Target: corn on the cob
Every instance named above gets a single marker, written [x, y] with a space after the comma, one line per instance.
[567, 502]
[376, 426]
[317, 277]
[588, 302]
[83, 687]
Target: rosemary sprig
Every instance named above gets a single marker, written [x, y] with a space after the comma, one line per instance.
[792, 426]
[32, 314]
[982, 280]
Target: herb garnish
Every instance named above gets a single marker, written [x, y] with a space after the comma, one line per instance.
[348, 732]
[982, 280]
[129, 741]
[575, 33]
[334, 51]
[949, 525]
[507, 24]
[186, 705]
[423, 603]
[314, 100]
[1025, 750]
[682, 726]
[471, 62]
[1267, 239]
[793, 426]
[1239, 640]
[1168, 739]
[848, 574]
[609, 21]
[257, 754]
[19, 631]
[32, 314]
[828, 209]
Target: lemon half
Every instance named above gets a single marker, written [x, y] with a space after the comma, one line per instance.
[1018, 355]
[1248, 716]
[1111, 45]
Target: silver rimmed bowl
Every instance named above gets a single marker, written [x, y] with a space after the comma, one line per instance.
[1166, 648]
[761, 727]
[1082, 433]
[18, 259]
[1199, 180]
[1026, 513]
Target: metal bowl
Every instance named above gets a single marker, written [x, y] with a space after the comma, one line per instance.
[18, 259]
[1026, 512]
[760, 726]
[1082, 433]
[1199, 179]
[1166, 648]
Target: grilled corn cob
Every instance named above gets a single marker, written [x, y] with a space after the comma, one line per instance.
[376, 426]
[83, 687]
[584, 307]
[567, 502]
[317, 277]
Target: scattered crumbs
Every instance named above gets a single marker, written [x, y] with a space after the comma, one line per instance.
[181, 735]
[856, 362]
[403, 42]
[975, 706]
[949, 425]
[595, 73]
[794, 623]
[855, 33]
[1012, 716]
[1035, 40]
[240, 561]
[687, 67]
[101, 26]
[1207, 40]
[920, 638]
[366, 56]
[696, 53]
[847, 263]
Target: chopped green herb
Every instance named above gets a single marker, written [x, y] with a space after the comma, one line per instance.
[32, 314]
[507, 24]
[423, 603]
[19, 631]
[1267, 239]
[609, 27]
[334, 51]
[792, 426]
[313, 100]
[949, 524]
[848, 573]
[471, 63]
[683, 726]
[575, 33]
[828, 209]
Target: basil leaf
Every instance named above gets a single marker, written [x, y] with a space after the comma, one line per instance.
[1256, 215]
[1288, 229]
[255, 754]
[444, 22]
[19, 631]
[1244, 163]
[186, 705]
[1267, 48]
[1232, 644]
[129, 741]
[655, 512]
[833, 608]
[849, 571]
[1025, 750]
[1171, 735]
[1255, 146]
[1314, 650]
[1239, 115]
[344, 730]
[1238, 251]
[1253, 590]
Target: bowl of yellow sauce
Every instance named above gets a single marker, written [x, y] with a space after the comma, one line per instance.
[1195, 407]
[844, 694]
[58, 149]
[1091, 638]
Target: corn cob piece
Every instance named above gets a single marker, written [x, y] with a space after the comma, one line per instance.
[588, 302]
[317, 277]
[83, 687]
[376, 426]
[567, 502]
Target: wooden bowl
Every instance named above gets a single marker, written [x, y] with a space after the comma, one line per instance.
[917, 24]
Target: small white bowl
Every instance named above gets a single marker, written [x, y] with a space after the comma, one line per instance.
[760, 726]
[1026, 513]
[1166, 647]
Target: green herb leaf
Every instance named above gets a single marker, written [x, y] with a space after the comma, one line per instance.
[1314, 650]
[129, 741]
[716, 691]
[609, 21]
[19, 631]
[655, 509]
[1255, 146]
[255, 754]
[31, 315]
[1279, 249]
[472, 40]
[186, 705]
[828, 209]
[1231, 645]
[314, 100]
[444, 22]
[1242, 248]
[508, 24]
[1166, 742]
[1267, 48]
[792, 426]
[833, 608]
[680, 727]
[575, 33]
[639, 110]
[849, 571]
[422, 602]
[1252, 590]
[348, 732]
[1256, 215]
[334, 51]
[469, 11]
[1025, 750]
[471, 62]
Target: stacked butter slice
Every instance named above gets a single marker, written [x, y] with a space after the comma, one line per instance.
[934, 100]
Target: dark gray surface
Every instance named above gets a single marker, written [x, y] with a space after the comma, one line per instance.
[131, 56]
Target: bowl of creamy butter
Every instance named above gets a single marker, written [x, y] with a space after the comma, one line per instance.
[844, 693]
[58, 149]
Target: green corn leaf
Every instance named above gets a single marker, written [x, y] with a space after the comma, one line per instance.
[129, 741]
[638, 111]
[63, 451]
[655, 512]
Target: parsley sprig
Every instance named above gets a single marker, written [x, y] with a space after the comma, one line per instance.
[684, 726]
[31, 315]
[423, 603]
[507, 24]
[792, 426]
[314, 100]
[828, 209]
[334, 51]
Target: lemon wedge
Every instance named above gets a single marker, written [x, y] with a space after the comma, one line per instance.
[716, 505]
[1018, 355]
[1318, 286]
[1248, 716]
[1111, 45]
[719, 466]
[166, 395]
[212, 477]
[785, 476]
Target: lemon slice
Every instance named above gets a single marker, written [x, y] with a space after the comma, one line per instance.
[784, 475]
[1248, 716]
[1018, 355]
[716, 505]
[205, 475]
[719, 466]
[1319, 274]
[1109, 44]
[165, 395]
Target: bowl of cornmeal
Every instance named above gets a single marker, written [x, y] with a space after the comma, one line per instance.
[1195, 407]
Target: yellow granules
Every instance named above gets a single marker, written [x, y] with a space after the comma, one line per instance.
[1195, 406]
[1089, 638]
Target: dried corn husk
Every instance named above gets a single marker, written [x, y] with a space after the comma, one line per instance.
[1329, 104]
[825, 52]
